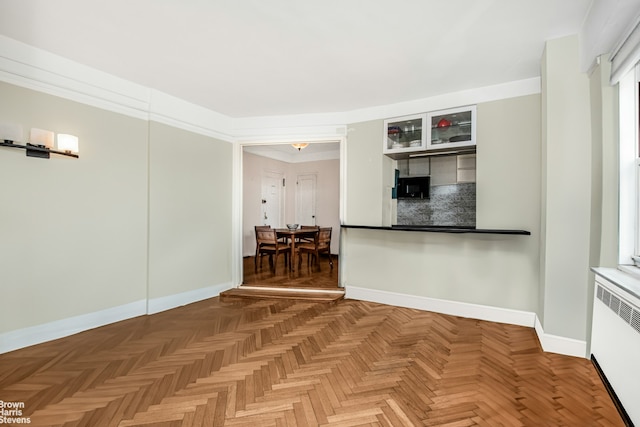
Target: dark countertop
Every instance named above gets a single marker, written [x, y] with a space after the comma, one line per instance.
[439, 229]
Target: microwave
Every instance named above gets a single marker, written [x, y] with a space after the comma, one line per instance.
[414, 187]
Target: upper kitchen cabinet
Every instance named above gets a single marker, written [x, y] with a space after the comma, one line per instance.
[453, 128]
[404, 135]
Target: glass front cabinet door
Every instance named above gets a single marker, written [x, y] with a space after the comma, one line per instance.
[404, 134]
[451, 128]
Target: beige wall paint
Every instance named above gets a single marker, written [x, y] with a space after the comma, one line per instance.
[73, 231]
[189, 211]
[364, 173]
[567, 191]
[604, 122]
[494, 270]
[327, 194]
[144, 213]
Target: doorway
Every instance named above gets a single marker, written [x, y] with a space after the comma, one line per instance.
[299, 187]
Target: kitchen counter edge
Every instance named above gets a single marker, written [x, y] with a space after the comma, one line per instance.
[439, 229]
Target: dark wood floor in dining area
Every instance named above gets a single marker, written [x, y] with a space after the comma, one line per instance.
[297, 363]
[318, 275]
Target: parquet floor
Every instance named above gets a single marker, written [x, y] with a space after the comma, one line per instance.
[292, 363]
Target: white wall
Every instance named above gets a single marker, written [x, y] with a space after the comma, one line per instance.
[327, 194]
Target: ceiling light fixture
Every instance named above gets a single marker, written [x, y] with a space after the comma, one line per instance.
[300, 145]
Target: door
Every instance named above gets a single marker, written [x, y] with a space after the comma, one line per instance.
[306, 199]
[272, 199]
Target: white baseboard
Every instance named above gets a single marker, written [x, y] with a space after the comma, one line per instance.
[38, 334]
[454, 308]
[25, 337]
[156, 305]
[561, 345]
[549, 343]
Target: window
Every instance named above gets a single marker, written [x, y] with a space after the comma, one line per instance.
[629, 111]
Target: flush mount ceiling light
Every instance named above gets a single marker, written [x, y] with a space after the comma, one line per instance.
[299, 145]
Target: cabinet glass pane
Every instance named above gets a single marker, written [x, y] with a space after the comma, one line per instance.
[451, 128]
[404, 133]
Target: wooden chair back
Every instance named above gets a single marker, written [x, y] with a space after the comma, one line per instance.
[266, 236]
[324, 237]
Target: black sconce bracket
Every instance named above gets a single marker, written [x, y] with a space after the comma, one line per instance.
[39, 151]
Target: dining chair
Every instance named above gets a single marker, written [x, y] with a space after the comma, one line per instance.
[267, 243]
[306, 228]
[260, 228]
[321, 244]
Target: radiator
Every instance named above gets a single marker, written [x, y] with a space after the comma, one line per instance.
[615, 342]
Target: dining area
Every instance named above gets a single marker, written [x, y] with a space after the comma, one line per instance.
[299, 265]
[292, 244]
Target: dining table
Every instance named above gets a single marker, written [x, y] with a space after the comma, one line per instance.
[292, 235]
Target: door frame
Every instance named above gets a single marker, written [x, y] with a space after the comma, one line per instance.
[237, 187]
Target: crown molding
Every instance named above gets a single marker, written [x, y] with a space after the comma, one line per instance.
[496, 92]
[36, 69]
[26, 66]
[176, 112]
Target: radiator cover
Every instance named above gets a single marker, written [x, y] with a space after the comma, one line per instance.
[615, 342]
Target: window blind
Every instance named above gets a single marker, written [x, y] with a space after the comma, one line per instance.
[626, 55]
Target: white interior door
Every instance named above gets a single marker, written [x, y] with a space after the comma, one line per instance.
[272, 199]
[306, 199]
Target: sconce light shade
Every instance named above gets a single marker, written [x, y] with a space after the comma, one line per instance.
[40, 143]
[10, 132]
[41, 137]
[300, 145]
[67, 143]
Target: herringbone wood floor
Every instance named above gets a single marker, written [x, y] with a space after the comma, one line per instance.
[283, 362]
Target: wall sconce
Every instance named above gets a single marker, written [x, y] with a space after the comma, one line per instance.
[67, 143]
[300, 145]
[40, 143]
[10, 132]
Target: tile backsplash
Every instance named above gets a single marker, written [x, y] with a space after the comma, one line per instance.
[448, 205]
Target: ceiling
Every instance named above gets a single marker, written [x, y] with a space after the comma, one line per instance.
[253, 58]
[319, 150]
